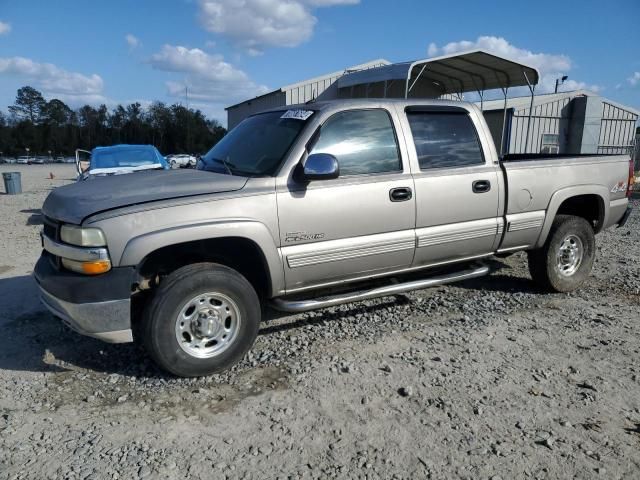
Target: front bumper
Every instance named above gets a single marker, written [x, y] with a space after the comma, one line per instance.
[97, 306]
[92, 318]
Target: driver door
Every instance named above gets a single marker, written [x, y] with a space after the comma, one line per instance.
[358, 225]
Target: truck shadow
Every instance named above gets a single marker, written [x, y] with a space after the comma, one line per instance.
[34, 340]
[35, 217]
[501, 282]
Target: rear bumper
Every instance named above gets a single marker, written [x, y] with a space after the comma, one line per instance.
[97, 306]
[625, 216]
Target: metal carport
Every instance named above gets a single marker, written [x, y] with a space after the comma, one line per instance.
[472, 71]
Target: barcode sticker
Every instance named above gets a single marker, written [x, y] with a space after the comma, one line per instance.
[297, 114]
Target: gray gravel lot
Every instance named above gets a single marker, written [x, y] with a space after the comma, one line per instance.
[484, 379]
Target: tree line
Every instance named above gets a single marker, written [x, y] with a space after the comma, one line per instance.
[52, 126]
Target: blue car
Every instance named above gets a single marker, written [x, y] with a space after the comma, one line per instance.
[118, 160]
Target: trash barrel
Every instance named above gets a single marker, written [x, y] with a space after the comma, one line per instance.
[12, 183]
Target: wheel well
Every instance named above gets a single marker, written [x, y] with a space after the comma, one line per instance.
[589, 207]
[241, 254]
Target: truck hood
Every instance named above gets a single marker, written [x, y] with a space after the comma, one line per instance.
[73, 203]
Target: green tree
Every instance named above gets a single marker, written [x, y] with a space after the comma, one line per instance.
[42, 126]
[28, 105]
[56, 112]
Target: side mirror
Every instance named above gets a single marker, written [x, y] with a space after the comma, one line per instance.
[321, 166]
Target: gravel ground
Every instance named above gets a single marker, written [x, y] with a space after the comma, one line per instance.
[483, 379]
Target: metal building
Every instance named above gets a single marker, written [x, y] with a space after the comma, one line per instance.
[569, 122]
[579, 121]
[300, 92]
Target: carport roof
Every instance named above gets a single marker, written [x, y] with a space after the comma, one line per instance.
[471, 71]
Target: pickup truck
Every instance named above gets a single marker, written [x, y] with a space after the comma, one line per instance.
[309, 206]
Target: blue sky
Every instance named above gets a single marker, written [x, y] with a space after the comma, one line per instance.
[230, 50]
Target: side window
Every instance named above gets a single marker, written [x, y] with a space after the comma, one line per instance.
[363, 141]
[444, 140]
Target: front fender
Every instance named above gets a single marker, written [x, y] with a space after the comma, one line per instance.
[138, 248]
[565, 193]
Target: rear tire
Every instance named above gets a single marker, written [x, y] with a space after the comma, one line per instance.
[202, 319]
[565, 261]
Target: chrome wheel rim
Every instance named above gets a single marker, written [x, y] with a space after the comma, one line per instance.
[207, 325]
[569, 255]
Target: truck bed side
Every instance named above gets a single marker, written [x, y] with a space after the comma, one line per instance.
[537, 190]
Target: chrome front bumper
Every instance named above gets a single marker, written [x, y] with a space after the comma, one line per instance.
[91, 319]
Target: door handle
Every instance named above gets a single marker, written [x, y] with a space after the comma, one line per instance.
[401, 194]
[481, 186]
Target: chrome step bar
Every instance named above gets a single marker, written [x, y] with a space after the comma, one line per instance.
[297, 306]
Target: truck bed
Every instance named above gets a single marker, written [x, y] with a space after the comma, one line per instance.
[537, 185]
[522, 157]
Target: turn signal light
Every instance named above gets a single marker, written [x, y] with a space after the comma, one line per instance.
[88, 268]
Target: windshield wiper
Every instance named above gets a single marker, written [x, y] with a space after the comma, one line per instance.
[223, 162]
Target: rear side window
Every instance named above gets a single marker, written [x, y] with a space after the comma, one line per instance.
[363, 141]
[444, 140]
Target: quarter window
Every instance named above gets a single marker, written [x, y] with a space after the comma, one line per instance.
[363, 141]
[444, 140]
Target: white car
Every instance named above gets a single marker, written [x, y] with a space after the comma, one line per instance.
[24, 160]
[182, 160]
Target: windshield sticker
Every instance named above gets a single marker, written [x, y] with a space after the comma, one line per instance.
[297, 114]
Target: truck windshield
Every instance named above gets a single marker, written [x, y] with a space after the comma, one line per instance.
[257, 146]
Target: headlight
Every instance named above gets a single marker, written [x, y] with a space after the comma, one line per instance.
[82, 237]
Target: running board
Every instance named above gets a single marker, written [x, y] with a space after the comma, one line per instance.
[297, 306]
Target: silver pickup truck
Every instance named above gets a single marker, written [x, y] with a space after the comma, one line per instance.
[312, 206]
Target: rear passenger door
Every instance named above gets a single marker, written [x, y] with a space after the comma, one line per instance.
[457, 189]
[355, 226]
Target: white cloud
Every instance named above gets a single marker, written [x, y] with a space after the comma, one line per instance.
[254, 25]
[5, 28]
[210, 80]
[634, 79]
[55, 81]
[132, 41]
[550, 66]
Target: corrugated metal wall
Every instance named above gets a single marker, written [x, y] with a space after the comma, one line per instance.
[304, 92]
[546, 118]
[241, 111]
[617, 130]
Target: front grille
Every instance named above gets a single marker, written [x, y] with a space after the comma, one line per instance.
[51, 229]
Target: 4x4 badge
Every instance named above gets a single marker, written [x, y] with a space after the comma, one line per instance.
[619, 187]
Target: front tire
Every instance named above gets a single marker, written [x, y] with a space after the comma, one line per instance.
[565, 261]
[203, 319]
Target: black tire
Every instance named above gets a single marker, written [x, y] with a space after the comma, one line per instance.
[543, 262]
[174, 292]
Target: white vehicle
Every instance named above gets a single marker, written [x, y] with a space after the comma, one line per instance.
[24, 160]
[182, 160]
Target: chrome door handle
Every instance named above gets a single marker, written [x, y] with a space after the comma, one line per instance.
[481, 186]
[401, 194]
